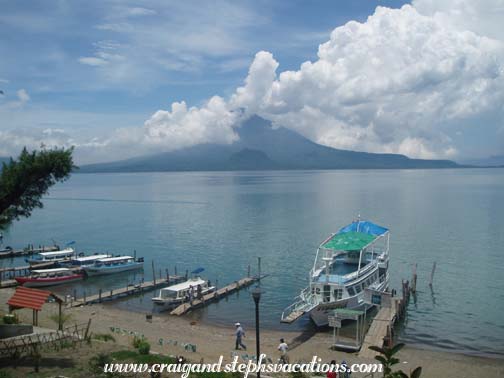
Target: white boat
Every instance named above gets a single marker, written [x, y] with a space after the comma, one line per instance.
[83, 261]
[346, 263]
[111, 265]
[52, 257]
[49, 277]
[179, 293]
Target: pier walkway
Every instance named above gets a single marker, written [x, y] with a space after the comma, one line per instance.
[115, 294]
[215, 296]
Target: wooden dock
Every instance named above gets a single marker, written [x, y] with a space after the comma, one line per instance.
[381, 331]
[215, 296]
[8, 253]
[129, 290]
[8, 274]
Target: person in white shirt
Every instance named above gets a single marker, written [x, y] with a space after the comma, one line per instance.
[239, 333]
[283, 347]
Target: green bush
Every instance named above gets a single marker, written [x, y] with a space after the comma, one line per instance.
[144, 347]
[137, 341]
[10, 319]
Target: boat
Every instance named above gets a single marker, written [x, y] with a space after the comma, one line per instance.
[52, 257]
[49, 277]
[179, 293]
[111, 265]
[347, 263]
[82, 260]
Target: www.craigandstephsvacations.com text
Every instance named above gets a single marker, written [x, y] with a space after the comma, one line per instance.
[185, 369]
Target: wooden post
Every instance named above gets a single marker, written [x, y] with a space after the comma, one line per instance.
[167, 275]
[60, 318]
[160, 274]
[248, 271]
[84, 296]
[186, 274]
[432, 274]
[175, 269]
[153, 272]
[87, 329]
[99, 296]
[414, 280]
[134, 254]
[75, 294]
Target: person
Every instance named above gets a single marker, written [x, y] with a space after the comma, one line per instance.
[283, 347]
[347, 372]
[239, 333]
[191, 294]
[200, 292]
[332, 372]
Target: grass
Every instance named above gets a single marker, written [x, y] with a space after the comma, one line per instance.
[103, 337]
[134, 356]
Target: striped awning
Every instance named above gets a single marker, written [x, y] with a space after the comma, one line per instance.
[30, 298]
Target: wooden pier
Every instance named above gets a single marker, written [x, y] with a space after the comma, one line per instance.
[8, 274]
[8, 253]
[381, 331]
[215, 296]
[129, 290]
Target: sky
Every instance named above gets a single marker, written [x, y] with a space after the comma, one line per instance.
[118, 79]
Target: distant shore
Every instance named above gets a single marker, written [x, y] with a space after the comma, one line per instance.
[172, 335]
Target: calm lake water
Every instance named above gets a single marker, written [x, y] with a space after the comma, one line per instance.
[223, 220]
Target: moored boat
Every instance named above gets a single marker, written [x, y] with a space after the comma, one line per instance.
[52, 257]
[346, 263]
[83, 261]
[111, 265]
[181, 292]
[49, 277]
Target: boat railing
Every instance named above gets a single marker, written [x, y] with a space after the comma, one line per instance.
[303, 303]
[363, 271]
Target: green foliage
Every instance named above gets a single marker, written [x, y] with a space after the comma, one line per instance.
[144, 347]
[10, 319]
[130, 355]
[137, 341]
[104, 337]
[387, 359]
[65, 318]
[5, 374]
[97, 363]
[24, 181]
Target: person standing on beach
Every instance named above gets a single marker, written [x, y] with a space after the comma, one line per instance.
[332, 373]
[239, 333]
[283, 347]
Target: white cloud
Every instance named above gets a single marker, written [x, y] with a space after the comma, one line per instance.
[23, 96]
[93, 61]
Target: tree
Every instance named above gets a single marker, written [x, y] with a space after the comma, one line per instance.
[387, 359]
[24, 181]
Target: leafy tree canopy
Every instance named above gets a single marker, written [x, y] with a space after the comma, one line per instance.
[24, 181]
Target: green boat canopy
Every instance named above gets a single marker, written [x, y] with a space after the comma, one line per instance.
[349, 241]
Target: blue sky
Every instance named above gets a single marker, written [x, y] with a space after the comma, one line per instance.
[96, 73]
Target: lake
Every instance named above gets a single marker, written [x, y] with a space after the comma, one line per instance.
[223, 221]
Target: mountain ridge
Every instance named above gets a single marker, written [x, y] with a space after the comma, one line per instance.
[262, 147]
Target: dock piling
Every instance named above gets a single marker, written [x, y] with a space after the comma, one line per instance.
[432, 274]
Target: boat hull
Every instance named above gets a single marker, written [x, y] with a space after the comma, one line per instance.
[94, 271]
[320, 314]
[42, 282]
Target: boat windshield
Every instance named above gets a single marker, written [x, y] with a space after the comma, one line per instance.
[168, 294]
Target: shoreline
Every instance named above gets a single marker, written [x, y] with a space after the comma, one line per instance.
[172, 335]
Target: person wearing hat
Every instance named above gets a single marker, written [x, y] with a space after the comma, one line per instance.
[239, 333]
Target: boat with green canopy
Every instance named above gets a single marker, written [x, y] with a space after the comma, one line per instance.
[346, 263]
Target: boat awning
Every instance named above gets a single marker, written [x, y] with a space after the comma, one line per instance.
[349, 241]
[365, 227]
[31, 298]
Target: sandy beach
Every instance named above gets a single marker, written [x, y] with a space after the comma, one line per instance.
[176, 336]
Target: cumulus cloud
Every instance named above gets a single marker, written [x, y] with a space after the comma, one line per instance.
[395, 83]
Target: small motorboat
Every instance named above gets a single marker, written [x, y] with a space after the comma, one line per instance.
[49, 277]
[176, 294]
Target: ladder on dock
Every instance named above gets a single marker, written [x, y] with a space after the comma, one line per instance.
[215, 296]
